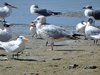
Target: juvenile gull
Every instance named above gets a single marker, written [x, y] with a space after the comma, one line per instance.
[89, 12]
[34, 9]
[52, 32]
[14, 46]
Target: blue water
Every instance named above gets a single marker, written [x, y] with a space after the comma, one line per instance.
[22, 14]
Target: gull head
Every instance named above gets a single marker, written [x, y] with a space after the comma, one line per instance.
[33, 24]
[23, 38]
[34, 6]
[40, 19]
[87, 7]
[91, 20]
[8, 5]
[83, 22]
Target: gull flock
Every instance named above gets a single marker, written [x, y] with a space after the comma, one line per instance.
[49, 32]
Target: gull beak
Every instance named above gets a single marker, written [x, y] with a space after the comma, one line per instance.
[13, 6]
[26, 40]
[9, 5]
[33, 24]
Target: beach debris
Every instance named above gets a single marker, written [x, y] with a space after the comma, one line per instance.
[31, 73]
[90, 67]
[72, 66]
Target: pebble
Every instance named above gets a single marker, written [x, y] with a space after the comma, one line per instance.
[73, 66]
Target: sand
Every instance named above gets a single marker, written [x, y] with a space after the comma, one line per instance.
[69, 57]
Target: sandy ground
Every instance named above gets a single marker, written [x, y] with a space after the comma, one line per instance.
[70, 57]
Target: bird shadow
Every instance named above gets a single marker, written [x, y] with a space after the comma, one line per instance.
[21, 59]
[29, 59]
[59, 45]
[70, 50]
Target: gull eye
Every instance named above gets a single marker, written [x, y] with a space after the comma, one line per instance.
[38, 19]
[36, 6]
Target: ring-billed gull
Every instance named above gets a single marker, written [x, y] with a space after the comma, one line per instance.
[34, 9]
[52, 32]
[14, 46]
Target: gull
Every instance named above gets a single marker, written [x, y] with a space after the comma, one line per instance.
[92, 32]
[80, 27]
[51, 32]
[6, 11]
[96, 38]
[5, 32]
[34, 9]
[90, 12]
[33, 29]
[14, 46]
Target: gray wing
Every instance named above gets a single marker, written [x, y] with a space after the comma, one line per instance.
[55, 32]
[44, 12]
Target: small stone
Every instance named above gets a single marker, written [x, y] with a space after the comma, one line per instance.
[73, 66]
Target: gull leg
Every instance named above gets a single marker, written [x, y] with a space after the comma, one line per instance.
[52, 44]
[4, 22]
[96, 42]
[13, 56]
[17, 55]
[46, 43]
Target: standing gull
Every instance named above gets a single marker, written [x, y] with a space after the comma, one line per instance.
[89, 12]
[5, 32]
[6, 11]
[34, 9]
[80, 27]
[52, 32]
[33, 29]
[92, 32]
[14, 46]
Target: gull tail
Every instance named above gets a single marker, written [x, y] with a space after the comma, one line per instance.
[75, 35]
